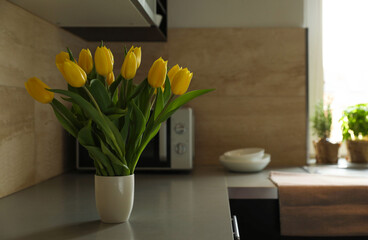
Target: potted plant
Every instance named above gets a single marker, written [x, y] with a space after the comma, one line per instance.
[114, 119]
[326, 151]
[355, 132]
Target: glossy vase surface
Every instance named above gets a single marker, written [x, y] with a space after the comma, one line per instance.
[114, 197]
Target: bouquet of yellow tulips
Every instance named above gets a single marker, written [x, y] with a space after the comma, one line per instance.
[114, 119]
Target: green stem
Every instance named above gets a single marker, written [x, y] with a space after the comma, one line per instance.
[103, 117]
[127, 87]
[163, 110]
[92, 99]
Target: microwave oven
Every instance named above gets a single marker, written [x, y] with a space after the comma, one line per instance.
[171, 149]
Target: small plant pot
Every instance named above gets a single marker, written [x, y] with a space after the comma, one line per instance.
[326, 151]
[358, 151]
[114, 197]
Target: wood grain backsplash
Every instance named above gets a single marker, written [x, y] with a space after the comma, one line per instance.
[260, 79]
[260, 100]
[32, 141]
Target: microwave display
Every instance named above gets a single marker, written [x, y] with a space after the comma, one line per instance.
[171, 149]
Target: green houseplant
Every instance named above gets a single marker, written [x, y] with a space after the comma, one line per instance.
[355, 132]
[114, 119]
[326, 151]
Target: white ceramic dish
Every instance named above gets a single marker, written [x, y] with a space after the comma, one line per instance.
[248, 166]
[245, 154]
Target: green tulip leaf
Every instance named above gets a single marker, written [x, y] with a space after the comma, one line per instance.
[98, 167]
[85, 135]
[67, 113]
[138, 89]
[67, 99]
[115, 110]
[137, 127]
[167, 90]
[159, 104]
[109, 129]
[129, 89]
[79, 91]
[70, 55]
[180, 101]
[185, 98]
[113, 117]
[146, 139]
[120, 168]
[114, 86]
[125, 130]
[81, 116]
[139, 121]
[100, 157]
[100, 94]
[69, 127]
[144, 100]
[115, 97]
[120, 145]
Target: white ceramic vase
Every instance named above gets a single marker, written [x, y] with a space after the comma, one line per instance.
[114, 197]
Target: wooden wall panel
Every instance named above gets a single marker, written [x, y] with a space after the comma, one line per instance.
[32, 141]
[260, 100]
[260, 79]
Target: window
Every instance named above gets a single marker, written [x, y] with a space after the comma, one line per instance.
[345, 57]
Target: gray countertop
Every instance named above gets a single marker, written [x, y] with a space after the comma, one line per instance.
[191, 205]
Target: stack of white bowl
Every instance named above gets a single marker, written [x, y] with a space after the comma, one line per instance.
[245, 160]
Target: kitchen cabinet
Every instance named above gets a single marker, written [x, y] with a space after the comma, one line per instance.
[109, 20]
[254, 200]
[257, 218]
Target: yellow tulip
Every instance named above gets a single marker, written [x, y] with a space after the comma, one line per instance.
[110, 78]
[181, 81]
[129, 68]
[74, 74]
[104, 61]
[138, 53]
[85, 60]
[173, 71]
[162, 89]
[37, 89]
[157, 73]
[60, 59]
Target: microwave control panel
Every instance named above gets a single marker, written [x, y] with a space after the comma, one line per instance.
[182, 139]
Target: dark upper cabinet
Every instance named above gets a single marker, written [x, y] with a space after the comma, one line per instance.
[108, 20]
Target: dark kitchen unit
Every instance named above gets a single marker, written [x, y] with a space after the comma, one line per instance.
[257, 209]
[127, 20]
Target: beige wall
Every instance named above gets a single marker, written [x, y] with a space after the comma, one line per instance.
[32, 147]
[260, 81]
[258, 73]
[235, 13]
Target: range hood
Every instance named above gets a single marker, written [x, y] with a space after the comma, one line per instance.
[109, 20]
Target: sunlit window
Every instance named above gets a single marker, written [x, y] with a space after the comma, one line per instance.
[345, 56]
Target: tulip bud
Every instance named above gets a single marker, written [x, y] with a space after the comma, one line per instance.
[85, 60]
[104, 61]
[110, 78]
[181, 81]
[138, 53]
[157, 73]
[73, 74]
[60, 59]
[173, 71]
[37, 89]
[129, 68]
